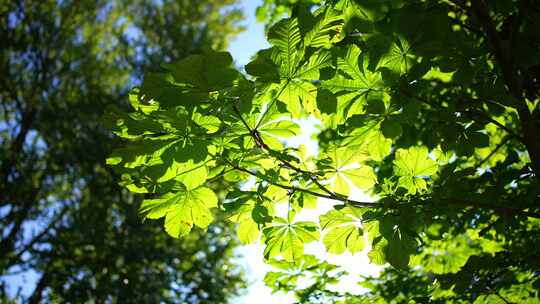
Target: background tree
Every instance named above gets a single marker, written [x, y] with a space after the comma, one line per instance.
[271, 11]
[429, 106]
[62, 213]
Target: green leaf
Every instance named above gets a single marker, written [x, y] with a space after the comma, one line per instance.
[326, 101]
[358, 77]
[325, 27]
[281, 128]
[399, 58]
[375, 106]
[344, 164]
[193, 177]
[400, 247]
[287, 239]
[300, 98]
[208, 122]
[340, 239]
[249, 215]
[285, 36]
[263, 68]
[182, 210]
[316, 62]
[411, 166]
[208, 72]
[391, 128]
[344, 232]
[377, 254]
[248, 232]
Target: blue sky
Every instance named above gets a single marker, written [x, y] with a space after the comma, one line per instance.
[247, 43]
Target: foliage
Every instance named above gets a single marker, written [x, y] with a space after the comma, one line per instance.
[65, 224]
[431, 107]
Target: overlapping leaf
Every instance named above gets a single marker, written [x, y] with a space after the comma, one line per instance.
[344, 230]
[249, 214]
[285, 239]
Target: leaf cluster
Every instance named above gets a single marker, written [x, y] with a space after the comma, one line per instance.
[416, 109]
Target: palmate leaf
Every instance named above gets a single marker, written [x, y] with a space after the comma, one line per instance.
[264, 69]
[399, 249]
[287, 239]
[208, 122]
[447, 256]
[378, 146]
[298, 92]
[184, 160]
[290, 272]
[377, 254]
[399, 58]
[300, 97]
[141, 153]
[280, 128]
[344, 231]
[411, 165]
[190, 174]
[401, 244]
[182, 210]
[369, 11]
[363, 178]
[391, 128]
[310, 70]
[345, 168]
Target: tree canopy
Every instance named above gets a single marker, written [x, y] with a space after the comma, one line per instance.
[430, 107]
[65, 222]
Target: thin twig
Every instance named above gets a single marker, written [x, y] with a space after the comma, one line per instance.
[450, 201]
[272, 103]
[293, 188]
[261, 144]
[502, 143]
[493, 121]
[471, 114]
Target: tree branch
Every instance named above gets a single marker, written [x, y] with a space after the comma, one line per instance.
[500, 145]
[450, 201]
[504, 59]
[316, 194]
[38, 237]
[261, 144]
[477, 115]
